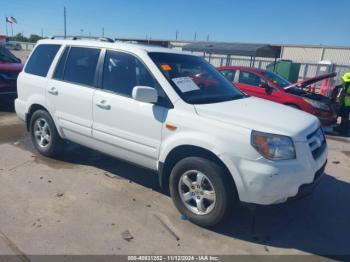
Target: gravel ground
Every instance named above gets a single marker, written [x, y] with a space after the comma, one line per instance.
[89, 203]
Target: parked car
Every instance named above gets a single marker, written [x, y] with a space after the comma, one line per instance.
[13, 46]
[271, 86]
[10, 67]
[210, 144]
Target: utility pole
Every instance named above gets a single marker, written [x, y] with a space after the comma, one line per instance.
[65, 22]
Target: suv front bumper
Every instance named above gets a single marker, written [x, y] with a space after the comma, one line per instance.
[306, 189]
[265, 182]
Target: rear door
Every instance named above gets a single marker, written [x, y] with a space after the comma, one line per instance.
[70, 92]
[124, 127]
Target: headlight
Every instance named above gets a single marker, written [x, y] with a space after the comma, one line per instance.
[273, 147]
[317, 104]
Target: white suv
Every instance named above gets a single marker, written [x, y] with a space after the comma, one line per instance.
[171, 112]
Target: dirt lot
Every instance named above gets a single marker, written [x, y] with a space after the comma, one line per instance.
[83, 202]
[22, 54]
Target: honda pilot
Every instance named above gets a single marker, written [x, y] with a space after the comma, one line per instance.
[172, 112]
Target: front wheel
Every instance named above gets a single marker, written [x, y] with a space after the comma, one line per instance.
[200, 190]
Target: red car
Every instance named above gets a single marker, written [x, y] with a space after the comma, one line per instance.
[10, 67]
[268, 85]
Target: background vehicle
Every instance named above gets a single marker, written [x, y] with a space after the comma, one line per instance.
[268, 85]
[12, 46]
[10, 67]
[211, 145]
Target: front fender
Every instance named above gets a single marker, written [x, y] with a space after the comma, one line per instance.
[204, 141]
[211, 143]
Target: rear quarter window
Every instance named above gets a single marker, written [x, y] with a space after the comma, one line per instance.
[41, 59]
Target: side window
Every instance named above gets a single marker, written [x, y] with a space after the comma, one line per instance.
[81, 65]
[229, 74]
[40, 61]
[122, 72]
[250, 79]
[60, 66]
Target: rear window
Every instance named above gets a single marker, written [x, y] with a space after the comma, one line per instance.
[40, 61]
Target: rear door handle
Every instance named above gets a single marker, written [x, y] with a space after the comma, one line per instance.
[102, 104]
[53, 91]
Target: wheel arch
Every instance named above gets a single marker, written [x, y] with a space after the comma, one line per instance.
[31, 110]
[183, 151]
[35, 107]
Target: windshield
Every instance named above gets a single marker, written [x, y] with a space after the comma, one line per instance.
[194, 79]
[277, 79]
[7, 57]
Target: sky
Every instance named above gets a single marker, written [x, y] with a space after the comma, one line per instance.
[259, 21]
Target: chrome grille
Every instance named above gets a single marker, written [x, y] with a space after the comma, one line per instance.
[317, 142]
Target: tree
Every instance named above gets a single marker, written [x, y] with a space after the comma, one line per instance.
[34, 38]
[19, 37]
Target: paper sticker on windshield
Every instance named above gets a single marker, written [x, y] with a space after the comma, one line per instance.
[185, 84]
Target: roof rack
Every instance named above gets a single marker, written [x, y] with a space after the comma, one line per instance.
[96, 38]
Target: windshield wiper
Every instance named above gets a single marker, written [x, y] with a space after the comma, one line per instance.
[206, 100]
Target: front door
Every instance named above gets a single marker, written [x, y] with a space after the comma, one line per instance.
[122, 126]
[252, 84]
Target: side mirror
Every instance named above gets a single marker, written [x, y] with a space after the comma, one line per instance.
[268, 89]
[263, 85]
[145, 94]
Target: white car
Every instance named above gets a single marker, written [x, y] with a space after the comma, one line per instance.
[13, 46]
[174, 113]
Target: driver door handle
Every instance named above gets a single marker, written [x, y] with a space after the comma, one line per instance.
[53, 91]
[103, 104]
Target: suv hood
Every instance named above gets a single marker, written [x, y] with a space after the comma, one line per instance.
[261, 115]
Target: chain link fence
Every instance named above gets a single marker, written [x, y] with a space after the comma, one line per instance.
[307, 70]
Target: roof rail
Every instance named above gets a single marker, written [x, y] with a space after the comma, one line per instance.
[96, 38]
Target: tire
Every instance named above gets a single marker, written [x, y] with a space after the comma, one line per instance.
[215, 179]
[44, 134]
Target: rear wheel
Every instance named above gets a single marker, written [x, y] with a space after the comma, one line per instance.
[200, 190]
[44, 134]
